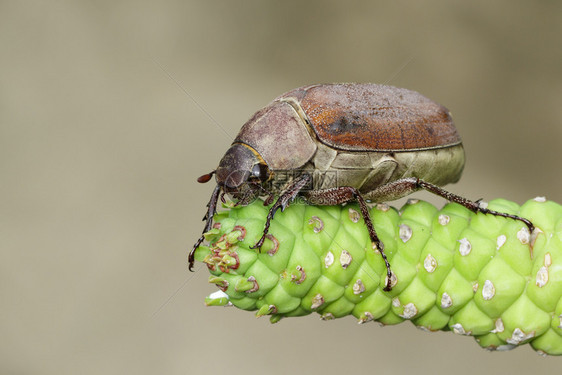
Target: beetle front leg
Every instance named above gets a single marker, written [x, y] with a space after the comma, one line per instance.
[346, 194]
[282, 202]
[211, 210]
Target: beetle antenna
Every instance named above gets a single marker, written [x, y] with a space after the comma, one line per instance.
[206, 177]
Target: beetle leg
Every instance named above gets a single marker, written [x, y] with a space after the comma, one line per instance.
[211, 210]
[269, 200]
[282, 202]
[472, 206]
[405, 186]
[270, 195]
[346, 194]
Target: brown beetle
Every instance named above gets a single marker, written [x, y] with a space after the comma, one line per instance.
[336, 143]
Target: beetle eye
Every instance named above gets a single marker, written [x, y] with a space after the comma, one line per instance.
[259, 171]
[256, 171]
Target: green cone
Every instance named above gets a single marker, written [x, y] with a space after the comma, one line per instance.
[472, 274]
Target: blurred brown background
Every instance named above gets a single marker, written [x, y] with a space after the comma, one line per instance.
[102, 143]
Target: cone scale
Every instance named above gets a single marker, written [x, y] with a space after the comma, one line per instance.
[473, 274]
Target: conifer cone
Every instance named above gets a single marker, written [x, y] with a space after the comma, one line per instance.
[473, 274]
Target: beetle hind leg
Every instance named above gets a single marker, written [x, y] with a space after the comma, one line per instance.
[399, 188]
[474, 206]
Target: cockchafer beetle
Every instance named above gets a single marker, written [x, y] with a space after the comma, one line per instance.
[336, 143]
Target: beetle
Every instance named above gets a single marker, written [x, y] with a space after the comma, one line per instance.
[336, 143]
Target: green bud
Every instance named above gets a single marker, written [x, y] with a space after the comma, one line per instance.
[211, 235]
[266, 310]
[218, 298]
[221, 282]
[233, 237]
[245, 285]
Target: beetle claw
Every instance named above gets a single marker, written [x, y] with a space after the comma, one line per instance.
[191, 257]
[259, 244]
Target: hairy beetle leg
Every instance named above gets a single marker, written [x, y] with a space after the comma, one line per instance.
[211, 210]
[346, 194]
[406, 186]
[374, 237]
[282, 202]
[472, 206]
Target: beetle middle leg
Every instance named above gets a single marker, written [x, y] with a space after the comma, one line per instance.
[346, 194]
[400, 188]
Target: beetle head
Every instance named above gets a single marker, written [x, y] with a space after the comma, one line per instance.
[241, 173]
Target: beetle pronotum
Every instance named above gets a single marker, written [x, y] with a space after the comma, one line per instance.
[336, 143]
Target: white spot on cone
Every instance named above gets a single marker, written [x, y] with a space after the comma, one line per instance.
[358, 287]
[499, 326]
[354, 215]
[382, 207]
[475, 287]
[345, 259]
[329, 259]
[459, 329]
[366, 317]
[317, 301]
[405, 233]
[446, 301]
[488, 290]
[465, 246]
[410, 310]
[519, 336]
[500, 241]
[524, 236]
[444, 219]
[393, 280]
[542, 277]
[429, 263]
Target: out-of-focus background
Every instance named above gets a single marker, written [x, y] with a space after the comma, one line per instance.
[109, 111]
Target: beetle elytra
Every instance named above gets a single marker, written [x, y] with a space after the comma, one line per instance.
[336, 143]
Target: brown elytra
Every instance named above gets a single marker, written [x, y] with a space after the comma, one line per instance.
[369, 117]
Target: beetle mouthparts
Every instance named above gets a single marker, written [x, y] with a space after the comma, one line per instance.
[206, 177]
